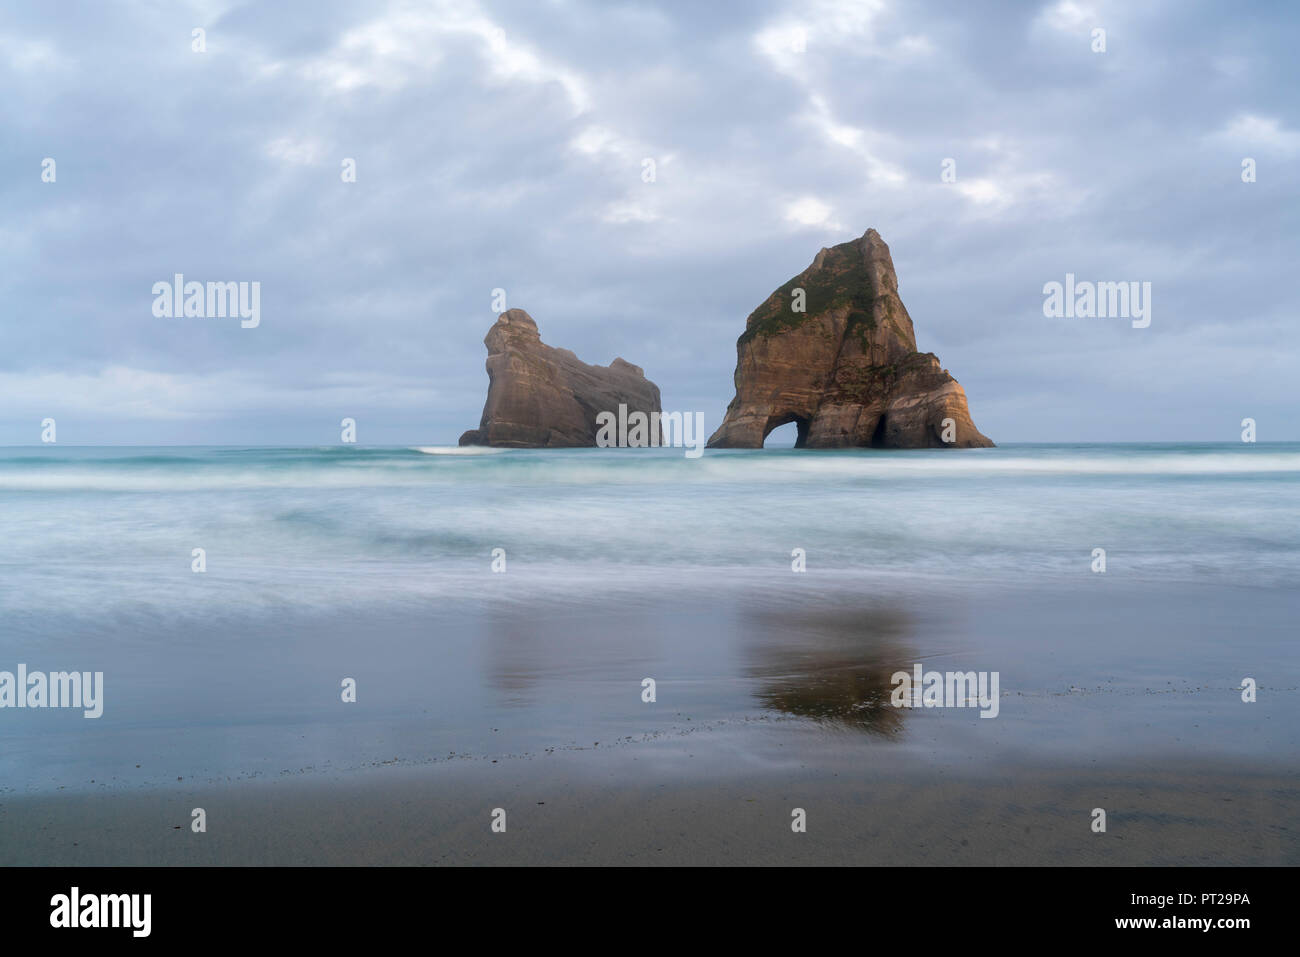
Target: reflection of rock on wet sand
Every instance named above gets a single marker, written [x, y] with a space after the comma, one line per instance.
[831, 666]
[527, 654]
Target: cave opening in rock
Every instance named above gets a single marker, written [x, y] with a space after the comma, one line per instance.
[878, 436]
[789, 432]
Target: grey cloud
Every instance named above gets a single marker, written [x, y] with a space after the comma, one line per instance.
[514, 160]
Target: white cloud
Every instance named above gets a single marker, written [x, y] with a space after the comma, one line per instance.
[798, 41]
[26, 56]
[296, 152]
[983, 192]
[913, 47]
[1249, 131]
[854, 139]
[1004, 180]
[130, 393]
[405, 43]
[1068, 16]
[597, 140]
[625, 159]
[629, 211]
[784, 45]
[1042, 192]
[809, 211]
[796, 47]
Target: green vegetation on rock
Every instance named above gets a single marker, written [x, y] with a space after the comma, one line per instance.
[842, 281]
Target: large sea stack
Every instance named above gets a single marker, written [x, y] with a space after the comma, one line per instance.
[543, 397]
[846, 369]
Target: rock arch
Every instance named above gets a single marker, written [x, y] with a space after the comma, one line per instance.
[846, 368]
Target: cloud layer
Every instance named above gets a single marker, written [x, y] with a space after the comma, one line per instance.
[638, 177]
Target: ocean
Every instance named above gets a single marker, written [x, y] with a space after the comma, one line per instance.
[496, 606]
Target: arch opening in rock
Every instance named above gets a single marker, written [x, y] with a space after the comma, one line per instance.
[786, 438]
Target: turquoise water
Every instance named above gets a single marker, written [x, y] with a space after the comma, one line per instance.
[97, 529]
[378, 564]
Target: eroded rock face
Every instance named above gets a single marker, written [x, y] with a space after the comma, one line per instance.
[846, 369]
[540, 396]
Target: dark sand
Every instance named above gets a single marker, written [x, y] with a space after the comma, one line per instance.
[583, 808]
[1130, 703]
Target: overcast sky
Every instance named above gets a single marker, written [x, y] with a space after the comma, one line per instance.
[502, 145]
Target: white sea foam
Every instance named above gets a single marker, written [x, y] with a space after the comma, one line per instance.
[457, 450]
[319, 527]
[414, 466]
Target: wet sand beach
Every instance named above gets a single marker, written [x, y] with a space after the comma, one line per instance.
[585, 809]
[787, 704]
